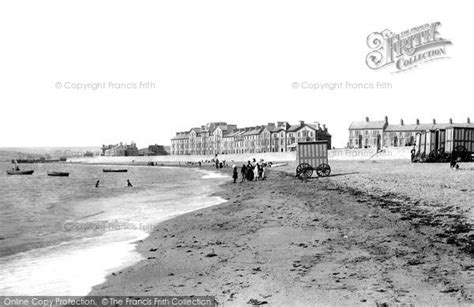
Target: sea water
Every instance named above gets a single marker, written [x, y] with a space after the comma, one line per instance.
[62, 235]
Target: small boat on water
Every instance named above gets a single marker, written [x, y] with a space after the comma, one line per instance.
[18, 172]
[58, 174]
[114, 170]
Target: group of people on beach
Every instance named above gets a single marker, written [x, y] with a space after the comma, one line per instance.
[216, 162]
[252, 171]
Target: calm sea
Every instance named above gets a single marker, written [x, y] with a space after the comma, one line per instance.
[61, 235]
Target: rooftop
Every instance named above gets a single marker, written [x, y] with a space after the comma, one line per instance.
[367, 125]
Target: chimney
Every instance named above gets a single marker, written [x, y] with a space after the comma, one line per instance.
[366, 118]
[401, 121]
[451, 121]
[318, 125]
[301, 122]
[434, 121]
[324, 127]
[417, 121]
[271, 124]
[386, 119]
[469, 121]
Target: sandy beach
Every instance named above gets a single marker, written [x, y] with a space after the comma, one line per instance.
[372, 233]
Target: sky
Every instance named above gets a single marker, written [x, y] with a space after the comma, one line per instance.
[65, 67]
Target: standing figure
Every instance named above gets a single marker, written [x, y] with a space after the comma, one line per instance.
[97, 183]
[234, 175]
[255, 171]
[249, 171]
[129, 184]
[260, 171]
[243, 172]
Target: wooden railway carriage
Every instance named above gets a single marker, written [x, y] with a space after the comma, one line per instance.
[312, 156]
[430, 145]
[441, 145]
[421, 152]
[441, 136]
[460, 141]
[424, 144]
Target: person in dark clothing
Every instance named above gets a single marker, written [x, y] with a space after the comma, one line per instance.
[454, 163]
[129, 184]
[260, 171]
[243, 172]
[250, 174]
[249, 171]
[217, 163]
[235, 175]
[97, 183]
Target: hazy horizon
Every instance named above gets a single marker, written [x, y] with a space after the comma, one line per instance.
[150, 70]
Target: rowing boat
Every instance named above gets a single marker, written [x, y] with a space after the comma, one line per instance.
[13, 172]
[111, 170]
[58, 174]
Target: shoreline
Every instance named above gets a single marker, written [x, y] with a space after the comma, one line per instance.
[121, 244]
[286, 242]
[135, 244]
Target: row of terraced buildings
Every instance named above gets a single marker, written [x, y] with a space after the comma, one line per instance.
[223, 138]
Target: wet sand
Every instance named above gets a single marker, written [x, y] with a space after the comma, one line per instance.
[325, 241]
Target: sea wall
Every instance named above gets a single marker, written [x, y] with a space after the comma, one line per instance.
[334, 154]
[274, 157]
[391, 153]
